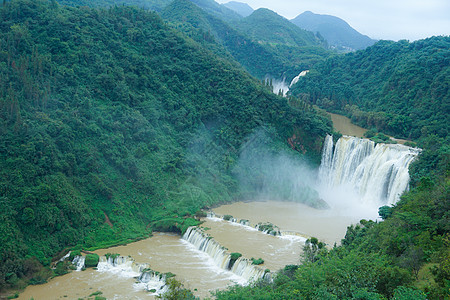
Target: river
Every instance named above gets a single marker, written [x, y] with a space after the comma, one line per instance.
[195, 269]
[345, 126]
[169, 253]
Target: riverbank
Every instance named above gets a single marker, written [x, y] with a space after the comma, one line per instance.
[345, 126]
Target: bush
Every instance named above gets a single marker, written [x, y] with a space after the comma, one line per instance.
[74, 253]
[91, 260]
[227, 217]
[258, 261]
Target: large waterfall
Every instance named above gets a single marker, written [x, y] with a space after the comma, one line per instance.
[377, 172]
[241, 267]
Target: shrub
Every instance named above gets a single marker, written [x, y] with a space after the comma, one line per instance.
[91, 260]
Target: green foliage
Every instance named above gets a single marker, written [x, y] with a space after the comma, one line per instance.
[256, 53]
[91, 260]
[227, 217]
[400, 88]
[96, 293]
[385, 212]
[257, 261]
[74, 253]
[405, 293]
[268, 228]
[176, 291]
[62, 268]
[235, 255]
[313, 250]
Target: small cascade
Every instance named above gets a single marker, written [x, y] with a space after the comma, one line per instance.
[122, 266]
[78, 261]
[241, 267]
[244, 268]
[244, 222]
[378, 172]
[268, 228]
[154, 282]
[65, 256]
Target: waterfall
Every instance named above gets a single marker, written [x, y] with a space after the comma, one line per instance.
[241, 267]
[79, 262]
[122, 266]
[378, 172]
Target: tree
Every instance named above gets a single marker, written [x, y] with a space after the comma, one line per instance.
[385, 212]
[312, 249]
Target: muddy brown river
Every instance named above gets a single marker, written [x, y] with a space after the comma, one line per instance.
[169, 253]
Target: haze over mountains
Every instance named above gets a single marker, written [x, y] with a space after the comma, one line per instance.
[241, 8]
[337, 32]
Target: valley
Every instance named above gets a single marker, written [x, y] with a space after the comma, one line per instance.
[155, 130]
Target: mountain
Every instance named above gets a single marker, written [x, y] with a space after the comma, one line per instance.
[401, 87]
[222, 39]
[299, 49]
[258, 58]
[338, 33]
[266, 26]
[220, 11]
[241, 8]
[114, 124]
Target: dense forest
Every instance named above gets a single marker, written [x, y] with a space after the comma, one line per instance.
[248, 41]
[401, 88]
[114, 124]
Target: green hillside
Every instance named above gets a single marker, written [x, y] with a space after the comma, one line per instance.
[299, 49]
[338, 33]
[401, 88]
[225, 40]
[266, 26]
[220, 11]
[241, 8]
[219, 37]
[155, 5]
[114, 124]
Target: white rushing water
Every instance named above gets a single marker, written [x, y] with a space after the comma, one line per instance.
[378, 173]
[241, 267]
[78, 261]
[123, 266]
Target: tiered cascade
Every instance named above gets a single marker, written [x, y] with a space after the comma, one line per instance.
[241, 267]
[127, 267]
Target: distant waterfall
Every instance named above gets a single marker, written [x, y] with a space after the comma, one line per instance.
[241, 267]
[378, 172]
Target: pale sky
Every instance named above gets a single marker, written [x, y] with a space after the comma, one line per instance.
[379, 19]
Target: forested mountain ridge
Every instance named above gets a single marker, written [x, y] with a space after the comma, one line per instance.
[403, 87]
[299, 49]
[241, 8]
[266, 26]
[215, 27]
[155, 5]
[113, 114]
[338, 33]
[226, 41]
